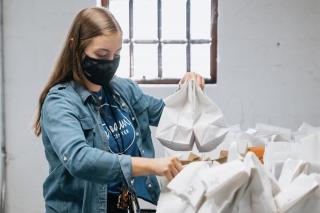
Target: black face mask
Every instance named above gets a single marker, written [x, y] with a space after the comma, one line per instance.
[100, 71]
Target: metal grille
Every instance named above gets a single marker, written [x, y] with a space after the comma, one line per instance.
[188, 41]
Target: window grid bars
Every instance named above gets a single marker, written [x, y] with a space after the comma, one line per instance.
[131, 41]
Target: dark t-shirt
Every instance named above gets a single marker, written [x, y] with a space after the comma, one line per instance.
[119, 130]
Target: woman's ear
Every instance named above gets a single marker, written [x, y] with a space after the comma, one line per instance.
[71, 42]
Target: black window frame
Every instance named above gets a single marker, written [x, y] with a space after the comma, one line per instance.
[188, 41]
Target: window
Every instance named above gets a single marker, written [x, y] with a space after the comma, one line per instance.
[163, 39]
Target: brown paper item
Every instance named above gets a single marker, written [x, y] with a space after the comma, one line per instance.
[193, 158]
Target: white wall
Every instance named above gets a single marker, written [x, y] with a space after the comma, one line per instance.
[269, 69]
[268, 72]
[34, 31]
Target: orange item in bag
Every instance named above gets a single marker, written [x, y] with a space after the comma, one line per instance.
[258, 151]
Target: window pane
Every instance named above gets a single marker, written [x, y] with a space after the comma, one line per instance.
[174, 19]
[200, 19]
[120, 10]
[145, 61]
[200, 59]
[145, 22]
[123, 69]
[174, 60]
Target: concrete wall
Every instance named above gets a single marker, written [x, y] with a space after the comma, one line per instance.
[269, 71]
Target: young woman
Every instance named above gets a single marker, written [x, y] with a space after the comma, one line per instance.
[95, 126]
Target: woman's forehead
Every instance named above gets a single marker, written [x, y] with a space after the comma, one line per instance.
[110, 41]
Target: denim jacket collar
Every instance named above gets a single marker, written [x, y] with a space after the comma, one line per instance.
[81, 90]
[85, 94]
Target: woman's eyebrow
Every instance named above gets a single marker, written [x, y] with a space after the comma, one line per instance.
[107, 49]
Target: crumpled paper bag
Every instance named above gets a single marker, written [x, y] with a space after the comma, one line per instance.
[184, 192]
[257, 195]
[302, 187]
[222, 183]
[190, 117]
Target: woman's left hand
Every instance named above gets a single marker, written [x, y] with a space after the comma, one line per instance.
[193, 76]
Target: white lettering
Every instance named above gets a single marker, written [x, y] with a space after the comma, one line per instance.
[115, 127]
[121, 125]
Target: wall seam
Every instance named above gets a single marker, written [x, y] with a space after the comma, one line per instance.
[3, 119]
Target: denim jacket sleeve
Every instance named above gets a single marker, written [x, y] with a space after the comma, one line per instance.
[60, 122]
[155, 108]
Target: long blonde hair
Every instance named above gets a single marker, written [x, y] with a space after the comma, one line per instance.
[89, 23]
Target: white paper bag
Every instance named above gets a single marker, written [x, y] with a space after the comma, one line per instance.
[279, 152]
[184, 192]
[237, 150]
[308, 168]
[312, 167]
[273, 133]
[187, 184]
[291, 169]
[306, 128]
[310, 147]
[299, 189]
[311, 202]
[170, 202]
[222, 183]
[257, 195]
[189, 117]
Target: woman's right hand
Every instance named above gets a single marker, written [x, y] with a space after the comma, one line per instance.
[167, 166]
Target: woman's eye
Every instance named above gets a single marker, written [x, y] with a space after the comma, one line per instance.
[106, 55]
[100, 56]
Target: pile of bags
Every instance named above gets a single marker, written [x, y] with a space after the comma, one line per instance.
[242, 187]
[288, 181]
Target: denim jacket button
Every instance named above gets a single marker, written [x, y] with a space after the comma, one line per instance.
[132, 118]
[65, 158]
[137, 134]
[149, 185]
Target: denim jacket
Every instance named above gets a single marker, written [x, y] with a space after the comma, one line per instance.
[80, 165]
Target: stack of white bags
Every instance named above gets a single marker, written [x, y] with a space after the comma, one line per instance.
[242, 187]
[288, 182]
